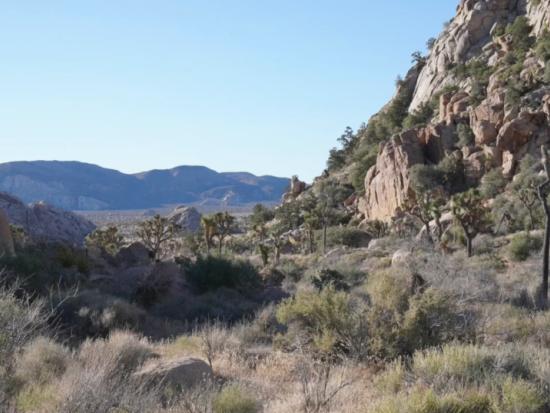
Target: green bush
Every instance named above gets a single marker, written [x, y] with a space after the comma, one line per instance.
[330, 278]
[401, 322]
[522, 245]
[493, 183]
[233, 399]
[349, 237]
[465, 135]
[212, 273]
[330, 321]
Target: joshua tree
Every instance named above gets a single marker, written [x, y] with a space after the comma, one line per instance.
[224, 226]
[311, 223]
[108, 240]
[471, 214]
[426, 207]
[155, 232]
[543, 196]
[209, 231]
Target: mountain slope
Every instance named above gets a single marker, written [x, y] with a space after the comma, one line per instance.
[477, 104]
[81, 186]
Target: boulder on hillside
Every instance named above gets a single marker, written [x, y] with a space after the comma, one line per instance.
[179, 373]
[187, 219]
[43, 222]
[6, 239]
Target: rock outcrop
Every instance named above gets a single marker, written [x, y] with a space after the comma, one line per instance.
[177, 374]
[296, 189]
[186, 219]
[465, 37]
[43, 222]
[387, 183]
[506, 123]
[6, 239]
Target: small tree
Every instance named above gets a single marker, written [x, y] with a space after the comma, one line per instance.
[426, 207]
[224, 226]
[543, 196]
[524, 188]
[330, 195]
[471, 214]
[155, 233]
[209, 230]
[108, 240]
[311, 223]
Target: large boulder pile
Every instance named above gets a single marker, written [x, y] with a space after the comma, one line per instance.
[43, 222]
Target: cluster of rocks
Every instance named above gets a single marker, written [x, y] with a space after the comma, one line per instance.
[503, 134]
[42, 222]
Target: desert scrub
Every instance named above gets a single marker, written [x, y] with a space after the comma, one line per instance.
[212, 273]
[329, 321]
[235, 399]
[467, 378]
[522, 245]
[42, 361]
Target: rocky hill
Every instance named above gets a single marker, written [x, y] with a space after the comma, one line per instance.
[43, 222]
[80, 186]
[478, 102]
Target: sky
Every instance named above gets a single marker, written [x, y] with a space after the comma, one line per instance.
[264, 86]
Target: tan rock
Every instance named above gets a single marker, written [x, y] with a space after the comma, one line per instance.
[179, 373]
[465, 37]
[487, 118]
[297, 187]
[387, 183]
[6, 239]
[527, 127]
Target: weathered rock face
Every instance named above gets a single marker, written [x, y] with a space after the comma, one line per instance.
[187, 219]
[6, 240]
[487, 118]
[520, 136]
[43, 222]
[539, 15]
[466, 36]
[177, 374]
[387, 183]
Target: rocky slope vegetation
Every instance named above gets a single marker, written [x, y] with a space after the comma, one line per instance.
[479, 102]
[80, 186]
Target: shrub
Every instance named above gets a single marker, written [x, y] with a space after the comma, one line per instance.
[41, 361]
[331, 322]
[212, 273]
[330, 278]
[521, 396]
[120, 354]
[234, 399]
[493, 183]
[465, 135]
[431, 320]
[522, 245]
[93, 314]
[349, 237]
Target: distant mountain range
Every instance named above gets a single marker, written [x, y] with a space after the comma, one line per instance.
[82, 186]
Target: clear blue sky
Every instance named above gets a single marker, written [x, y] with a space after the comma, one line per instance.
[261, 86]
